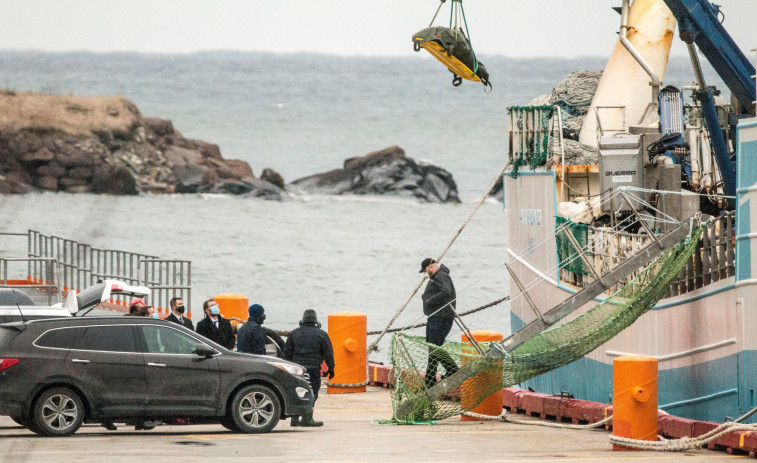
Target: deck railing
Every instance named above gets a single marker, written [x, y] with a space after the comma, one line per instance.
[714, 259]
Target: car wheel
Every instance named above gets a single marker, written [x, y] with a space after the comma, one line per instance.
[29, 424]
[58, 412]
[255, 409]
[228, 423]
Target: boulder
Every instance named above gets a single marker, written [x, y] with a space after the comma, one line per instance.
[53, 169]
[104, 145]
[190, 178]
[46, 182]
[14, 184]
[115, 180]
[239, 169]
[273, 177]
[385, 172]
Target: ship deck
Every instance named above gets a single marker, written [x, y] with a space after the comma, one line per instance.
[347, 435]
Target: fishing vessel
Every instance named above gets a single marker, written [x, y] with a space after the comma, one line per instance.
[663, 156]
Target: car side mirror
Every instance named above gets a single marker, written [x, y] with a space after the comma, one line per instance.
[204, 351]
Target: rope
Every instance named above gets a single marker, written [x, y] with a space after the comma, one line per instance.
[437, 12]
[497, 178]
[360, 384]
[686, 443]
[507, 417]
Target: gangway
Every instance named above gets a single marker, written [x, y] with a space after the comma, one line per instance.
[612, 277]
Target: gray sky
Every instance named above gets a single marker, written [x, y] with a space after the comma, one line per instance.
[527, 28]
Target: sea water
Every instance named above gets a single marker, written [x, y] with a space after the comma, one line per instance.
[302, 114]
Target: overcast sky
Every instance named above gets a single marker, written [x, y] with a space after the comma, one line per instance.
[526, 28]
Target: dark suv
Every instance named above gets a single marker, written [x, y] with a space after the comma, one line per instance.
[57, 373]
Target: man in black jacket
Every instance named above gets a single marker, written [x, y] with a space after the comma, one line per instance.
[177, 314]
[310, 346]
[439, 302]
[215, 327]
[251, 336]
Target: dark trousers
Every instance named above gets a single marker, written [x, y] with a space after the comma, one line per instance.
[315, 380]
[437, 329]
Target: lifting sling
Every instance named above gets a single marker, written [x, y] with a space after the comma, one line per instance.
[451, 46]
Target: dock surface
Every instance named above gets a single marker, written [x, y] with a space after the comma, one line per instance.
[347, 435]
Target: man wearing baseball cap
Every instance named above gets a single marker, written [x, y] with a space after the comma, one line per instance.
[439, 302]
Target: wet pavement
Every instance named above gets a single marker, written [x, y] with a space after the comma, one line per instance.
[351, 433]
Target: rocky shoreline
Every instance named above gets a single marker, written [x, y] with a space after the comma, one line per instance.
[104, 145]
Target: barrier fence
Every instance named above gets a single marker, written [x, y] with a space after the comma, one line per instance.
[56, 265]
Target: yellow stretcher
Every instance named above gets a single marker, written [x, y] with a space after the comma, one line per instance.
[453, 64]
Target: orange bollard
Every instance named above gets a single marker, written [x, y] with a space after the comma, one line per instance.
[487, 380]
[232, 305]
[349, 334]
[634, 398]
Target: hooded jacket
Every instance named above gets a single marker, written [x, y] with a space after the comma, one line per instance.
[309, 346]
[439, 292]
[251, 338]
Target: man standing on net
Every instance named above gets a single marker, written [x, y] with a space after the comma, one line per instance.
[439, 306]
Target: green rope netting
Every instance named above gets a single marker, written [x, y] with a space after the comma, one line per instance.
[567, 254]
[533, 149]
[548, 350]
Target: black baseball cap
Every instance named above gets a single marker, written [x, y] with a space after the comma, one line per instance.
[426, 262]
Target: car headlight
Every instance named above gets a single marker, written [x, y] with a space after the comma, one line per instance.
[289, 368]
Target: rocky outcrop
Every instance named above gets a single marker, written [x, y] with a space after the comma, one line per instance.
[104, 145]
[385, 172]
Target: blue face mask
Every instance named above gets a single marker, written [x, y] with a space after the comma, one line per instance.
[155, 315]
[215, 310]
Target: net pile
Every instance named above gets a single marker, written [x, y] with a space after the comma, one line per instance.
[550, 349]
[567, 254]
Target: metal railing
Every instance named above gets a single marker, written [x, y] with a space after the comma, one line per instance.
[157, 273]
[45, 281]
[80, 265]
[714, 259]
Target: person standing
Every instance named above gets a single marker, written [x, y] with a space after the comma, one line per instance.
[439, 302]
[310, 346]
[251, 335]
[215, 327]
[177, 314]
[135, 307]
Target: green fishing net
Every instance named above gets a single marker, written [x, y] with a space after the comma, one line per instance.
[546, 351]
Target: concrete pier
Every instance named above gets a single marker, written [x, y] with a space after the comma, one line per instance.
[347, 435]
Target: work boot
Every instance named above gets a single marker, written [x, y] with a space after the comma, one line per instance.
[309, 422]
[295, 421]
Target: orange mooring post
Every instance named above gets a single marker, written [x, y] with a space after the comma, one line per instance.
[232, 305]
[349, 334]
[634, 398]
[487, 380]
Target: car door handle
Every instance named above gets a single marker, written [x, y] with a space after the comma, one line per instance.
[159, 365]
[79, 361]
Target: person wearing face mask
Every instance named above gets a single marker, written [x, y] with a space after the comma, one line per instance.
[177, 314]
[251, 335]
[148, 312]
[214, 326]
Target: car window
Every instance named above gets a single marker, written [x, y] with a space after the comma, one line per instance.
[109, 339]
[162, 340]
[61, 338]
